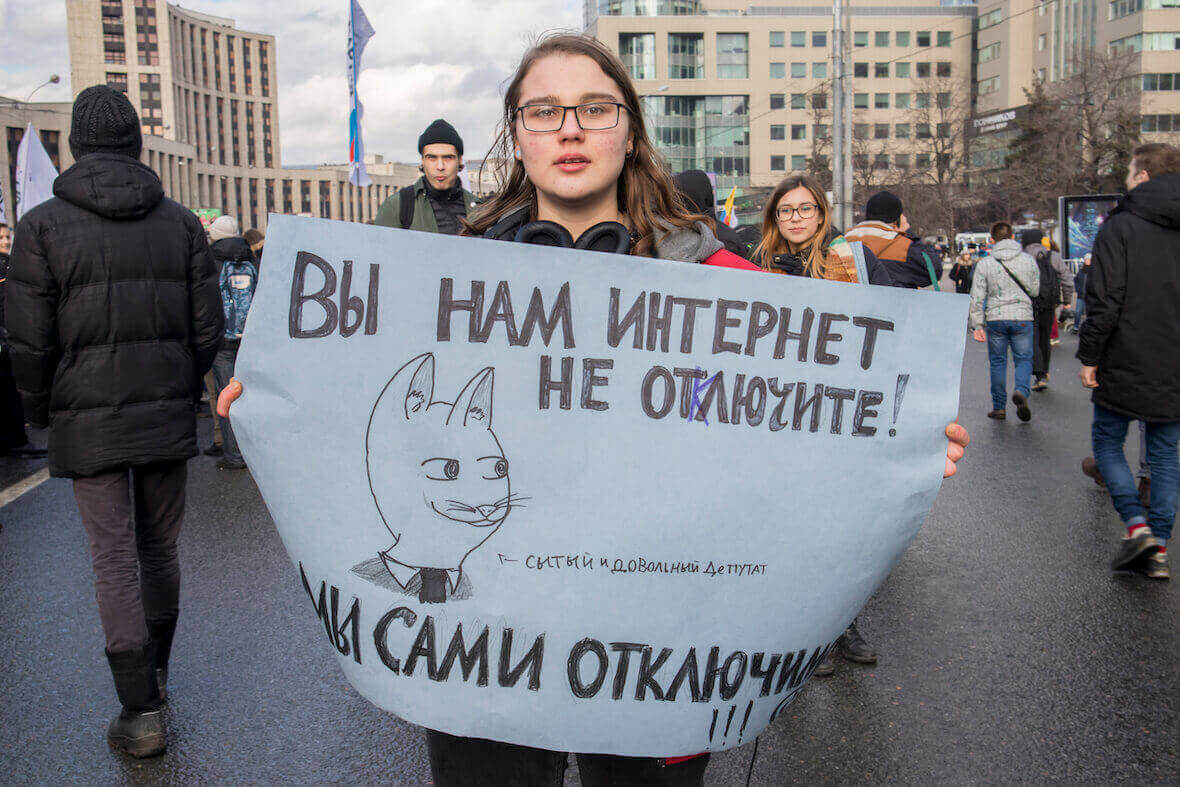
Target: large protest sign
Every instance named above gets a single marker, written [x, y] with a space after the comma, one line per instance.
[582, 501]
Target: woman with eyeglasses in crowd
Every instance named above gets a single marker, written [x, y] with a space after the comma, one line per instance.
[580, 171]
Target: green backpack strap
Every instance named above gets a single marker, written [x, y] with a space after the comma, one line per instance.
[930, 270]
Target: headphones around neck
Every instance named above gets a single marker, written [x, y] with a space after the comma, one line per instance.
[605, 236]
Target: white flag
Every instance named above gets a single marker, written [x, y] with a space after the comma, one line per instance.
[34, 173]
[359, 33]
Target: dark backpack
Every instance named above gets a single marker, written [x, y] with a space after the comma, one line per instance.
[237, 282]
[405, 212]
[1049, 295]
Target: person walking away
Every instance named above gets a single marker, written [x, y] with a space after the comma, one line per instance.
[1046, 299]
[14, 441]
[885, 232]
[583, 174]
[256, 240]
[109, 342]
[1127, 347]
[696, 189]
[1079, 286]
[237, 276]
[962, 272]
[1002, 292]
[437, 202]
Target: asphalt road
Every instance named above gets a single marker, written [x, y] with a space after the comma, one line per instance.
[1008, 651]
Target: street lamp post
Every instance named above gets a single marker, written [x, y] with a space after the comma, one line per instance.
[53, 80]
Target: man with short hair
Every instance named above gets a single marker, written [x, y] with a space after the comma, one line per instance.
[1002, 314]
[885, 231]
[1050, 267]
[1127, 346]
[114, 316]
[437, 202]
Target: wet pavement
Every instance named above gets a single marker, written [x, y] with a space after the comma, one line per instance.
[1008, 650]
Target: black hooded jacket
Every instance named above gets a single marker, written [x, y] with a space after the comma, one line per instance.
[114, 317]
[695, 187]
[1132, 295]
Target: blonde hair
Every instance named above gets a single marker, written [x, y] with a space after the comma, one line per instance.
[773, 243]
[646, 193]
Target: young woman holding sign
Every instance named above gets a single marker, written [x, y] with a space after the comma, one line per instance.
[581, 172]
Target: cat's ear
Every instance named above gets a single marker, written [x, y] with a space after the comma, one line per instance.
[474, 405]
[421, 389]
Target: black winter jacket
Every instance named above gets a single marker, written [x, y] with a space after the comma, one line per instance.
[1132, 325]
[114, 317]
[230, 249]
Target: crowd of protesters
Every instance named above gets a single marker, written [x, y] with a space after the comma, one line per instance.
[111, 345]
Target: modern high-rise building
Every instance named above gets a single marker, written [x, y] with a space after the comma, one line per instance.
[206, 93]
[744, 91]
[1023, 42]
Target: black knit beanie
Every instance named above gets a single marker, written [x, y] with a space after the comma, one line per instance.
[440, 131]
[104, 122]
[884, 206]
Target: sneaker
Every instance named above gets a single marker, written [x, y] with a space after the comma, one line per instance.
[825, 669]
[1041, 384]
[1090, 468]
[214, 450]
[1054, 342]
[1134, 549]
[854, 648]
[999, 415]
[138, 734]
[229, 464]
[1022, 409]
[1072, 329]
[1156, 566]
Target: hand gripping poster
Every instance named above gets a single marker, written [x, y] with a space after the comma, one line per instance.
[581, 501]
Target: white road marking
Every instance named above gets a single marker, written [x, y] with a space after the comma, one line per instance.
[24, 485]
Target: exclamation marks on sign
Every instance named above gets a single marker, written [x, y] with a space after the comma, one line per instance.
[729, 722]
[902, 379]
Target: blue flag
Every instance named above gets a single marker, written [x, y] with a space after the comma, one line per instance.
[359, 33]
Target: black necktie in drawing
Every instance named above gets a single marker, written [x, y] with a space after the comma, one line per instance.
[434, 586]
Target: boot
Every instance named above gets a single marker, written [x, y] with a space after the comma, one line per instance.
[854, 648]
[161, 631]
[139, 729]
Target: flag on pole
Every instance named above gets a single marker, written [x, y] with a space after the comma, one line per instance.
[359, 33]
[727, 212]
[35, 173]
[3, 211]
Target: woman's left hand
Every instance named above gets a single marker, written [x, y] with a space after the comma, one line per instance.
[955, 447]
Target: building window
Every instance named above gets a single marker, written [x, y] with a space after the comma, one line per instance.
[991, 19]
[231, 62]
[922, 161]
[146, 33]
[990, 85]
[901, 70]
[1159, 123]
[944, 38]
[686, 56]
[881, 161]
[943, 68]
[778, 163]
[923, 38]
[638, 53]
[798, 38]
[250, 133]
[798, 101]
[819, 38]
[860, 70]
[1154, 82]
[217, 62]
[778, 70]
[778, 39]
[267, 144]
[860, 130]
[798, 163]
[798, 70]
[703, 132]
[901, 160]
[247, 74]
[777, 133]
[860, 39]
[819, 100]
[151, 104]
[114, 48]
[305, 196]
[117, 81]
[778, 101]
[922, 100]
[819, 70]
[820, 130]
[922, 131]
[943, 130]
[325, 190]
[880, 131]
[901, 38]
[234, 136]
[798, 131]
[923, 70]
[1121, 8]
[943, 100]
[901, 100]
[880, 101]
[264, 69]
[288, 204]
[881, 70]
[860, 100]
[901, 131]
[992, 51]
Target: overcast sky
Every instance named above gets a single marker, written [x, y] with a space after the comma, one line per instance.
[429, 58]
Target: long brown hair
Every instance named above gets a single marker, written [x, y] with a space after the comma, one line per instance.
[645, 189]
[774, 243]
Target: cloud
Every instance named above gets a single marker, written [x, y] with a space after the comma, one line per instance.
[430, 58]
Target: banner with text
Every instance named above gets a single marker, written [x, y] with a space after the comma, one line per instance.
[583, 501]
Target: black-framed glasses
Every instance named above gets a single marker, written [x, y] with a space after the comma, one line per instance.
[805, 211]
[594, 116]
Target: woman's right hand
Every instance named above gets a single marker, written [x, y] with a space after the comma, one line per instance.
[227, 397]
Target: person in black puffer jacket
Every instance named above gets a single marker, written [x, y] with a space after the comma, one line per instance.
[113, 317]
[227, 245]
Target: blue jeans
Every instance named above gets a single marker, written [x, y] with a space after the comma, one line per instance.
[1001, 334]
[223, 370]
[1079, 313]
[1109, 432]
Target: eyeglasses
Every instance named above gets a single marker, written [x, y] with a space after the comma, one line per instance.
[595, 116]
[805, 211]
